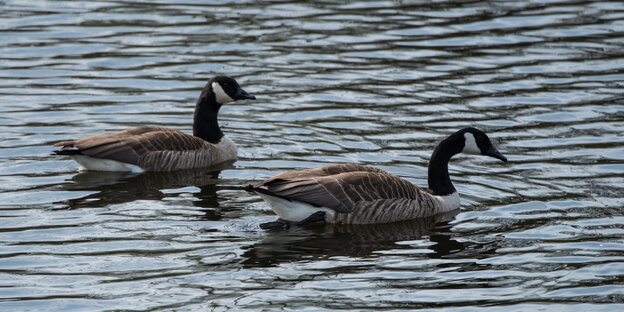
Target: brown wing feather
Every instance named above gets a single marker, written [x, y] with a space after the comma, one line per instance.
[339, 187]
[132, 145]
[321, 172]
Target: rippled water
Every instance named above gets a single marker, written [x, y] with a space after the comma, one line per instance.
[376, 83]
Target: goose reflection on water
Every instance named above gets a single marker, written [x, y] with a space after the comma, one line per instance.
[351, 240]
[110, 188]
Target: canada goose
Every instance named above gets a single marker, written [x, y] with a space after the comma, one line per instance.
[161, 149]
[356, 194]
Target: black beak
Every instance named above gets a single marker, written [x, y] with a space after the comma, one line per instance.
[493, 152]
[243, 95]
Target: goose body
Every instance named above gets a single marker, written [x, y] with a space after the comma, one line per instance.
[162, 149]
[357, 194]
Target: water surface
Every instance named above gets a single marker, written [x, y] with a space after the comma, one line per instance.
[375, 83]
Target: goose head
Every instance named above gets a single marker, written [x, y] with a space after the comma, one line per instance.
[476, 142]
[226, 90]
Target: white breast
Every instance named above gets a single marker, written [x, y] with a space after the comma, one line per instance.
[446, 203]
[227, 150]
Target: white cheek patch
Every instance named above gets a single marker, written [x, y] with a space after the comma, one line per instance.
[470, 145]
[220, 94]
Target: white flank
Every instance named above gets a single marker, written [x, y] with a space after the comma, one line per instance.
[470, 144]
[99, 164]
[294, 211]
[447, 203]
[220, 94]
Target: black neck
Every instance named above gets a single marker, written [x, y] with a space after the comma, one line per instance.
[439, 180]
[205, 123]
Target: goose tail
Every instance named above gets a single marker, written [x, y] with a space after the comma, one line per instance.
[255, 188]
[66, 151]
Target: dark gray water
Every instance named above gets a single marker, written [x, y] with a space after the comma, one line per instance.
[376, 83]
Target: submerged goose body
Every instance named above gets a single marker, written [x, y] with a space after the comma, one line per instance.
[163, 149]
[357, 194]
